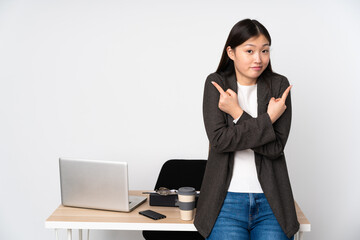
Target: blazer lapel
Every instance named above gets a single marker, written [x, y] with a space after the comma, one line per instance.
[263, 95]
[232, 83]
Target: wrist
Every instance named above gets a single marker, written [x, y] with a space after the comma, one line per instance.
[237, 113]
[271, 118]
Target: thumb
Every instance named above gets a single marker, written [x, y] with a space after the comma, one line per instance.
[231, 92]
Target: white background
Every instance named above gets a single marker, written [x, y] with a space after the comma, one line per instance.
[123, 80]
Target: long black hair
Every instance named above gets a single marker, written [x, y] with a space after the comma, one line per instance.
[240, 33]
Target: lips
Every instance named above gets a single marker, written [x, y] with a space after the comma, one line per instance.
[257, 68]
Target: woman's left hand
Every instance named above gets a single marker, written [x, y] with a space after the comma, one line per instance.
[277, 106]
[228, 102]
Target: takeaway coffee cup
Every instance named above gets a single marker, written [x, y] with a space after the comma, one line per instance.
[186, 202]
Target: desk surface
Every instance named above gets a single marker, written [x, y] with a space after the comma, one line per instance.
[81, 218]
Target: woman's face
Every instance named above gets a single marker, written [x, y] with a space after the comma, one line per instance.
[250, 59]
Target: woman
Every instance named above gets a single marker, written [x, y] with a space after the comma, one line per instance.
[246, 191]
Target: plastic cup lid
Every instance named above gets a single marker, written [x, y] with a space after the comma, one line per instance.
[186, 191]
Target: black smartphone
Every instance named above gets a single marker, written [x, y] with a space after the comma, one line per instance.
[151, 214]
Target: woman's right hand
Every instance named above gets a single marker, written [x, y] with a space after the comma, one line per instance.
[228, 102]
[277, 106]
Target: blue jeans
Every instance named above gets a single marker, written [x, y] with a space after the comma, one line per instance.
[245, 216]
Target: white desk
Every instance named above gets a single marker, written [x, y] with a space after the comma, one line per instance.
[78, 218]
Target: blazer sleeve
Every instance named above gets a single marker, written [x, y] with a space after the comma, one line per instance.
[230, 137]
[275, 148]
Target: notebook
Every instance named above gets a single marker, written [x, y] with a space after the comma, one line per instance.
[96, 184]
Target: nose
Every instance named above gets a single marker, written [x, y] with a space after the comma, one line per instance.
[257, 57]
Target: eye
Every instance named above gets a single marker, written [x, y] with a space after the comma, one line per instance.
[265, 51]
[249, 51]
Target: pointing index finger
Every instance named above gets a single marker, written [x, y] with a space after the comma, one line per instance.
[286, 93]
[218, 87]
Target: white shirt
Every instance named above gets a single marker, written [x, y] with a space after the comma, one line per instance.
[244, 178]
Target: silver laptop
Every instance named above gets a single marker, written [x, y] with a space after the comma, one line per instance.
[96, 184]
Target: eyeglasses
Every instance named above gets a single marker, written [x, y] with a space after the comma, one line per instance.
[163, 191]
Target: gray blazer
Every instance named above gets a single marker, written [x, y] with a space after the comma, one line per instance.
[259, 134]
